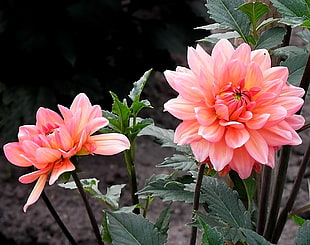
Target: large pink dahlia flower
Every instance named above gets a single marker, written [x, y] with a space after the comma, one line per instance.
[236, 109]
[49, 145]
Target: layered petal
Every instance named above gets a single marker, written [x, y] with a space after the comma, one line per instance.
[110, 144]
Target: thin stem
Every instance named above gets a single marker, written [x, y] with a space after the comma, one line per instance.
[277, 192]
[263, 199]
[57, 218]
[292, 197]
[196, 201]
[87, 206]
[304, 83]
[132, 178]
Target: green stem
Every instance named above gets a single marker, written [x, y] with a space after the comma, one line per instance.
[88, 208]
[57, 218]
[196, 201]
[277, 191]
[292, 197]
[132, 177]
[263, 199]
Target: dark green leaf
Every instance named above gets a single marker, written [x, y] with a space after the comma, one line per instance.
[255, 11]
[166, 188]
[224, 12]
[138, 105]
[265, 23]
[271, 38]
[253, 238]
[162, 223]
[180, 162]
[122, 111]
[164, 137]
[303, 234]
[210, 235]
[224, 204]
[135, 130]
[138, 86]
[245, 187]
[294, 12]
[296, 65]
[132, 229]
[214, 38]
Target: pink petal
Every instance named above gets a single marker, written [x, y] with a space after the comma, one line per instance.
[232, 71]
[171, 77]
[47, 155]
[257, 147]
[242, 163]
[271, 157]
[221, 53]
[187, 132]
[27, 131]
[15, 154]
[236, 138]
[200, 149]
[48, 119]
[220, 154]
[110, 144]
[290, 90]
[65, 112]
[205, 116]
[181, 108]
[258, 121]
[242, 53]
[198, 59]
[290, 103]
[60, 168]
[29, 178]
[36, 192]
[262, 58]
[278, 72]
[81, 101]
[277, 114]
[95, 124]
[212, 133]
[295, 121]
[254, 76]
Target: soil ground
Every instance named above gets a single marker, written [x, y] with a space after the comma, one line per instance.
[37, 227]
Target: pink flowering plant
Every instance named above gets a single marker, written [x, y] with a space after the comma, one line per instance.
[240, 111]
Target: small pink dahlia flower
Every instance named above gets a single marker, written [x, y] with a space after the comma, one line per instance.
[236, 109]
[49, 145]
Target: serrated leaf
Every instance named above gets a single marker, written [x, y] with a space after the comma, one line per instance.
[296, 65]
[140, 125]
[294, 12]
[166, 188]
[209, 27]
[164, 137]
[163, 221]
[224, 12]
[253, 238]
[224, 204]
[122, 111]
[137, 106]
[111, 198]
[271, 38]
[126, 229]
[265, 23]
[210, 235]
[214, 38]
[303, 234]
[138, 86]
[179, 162]
[254, 10]
[288, 51]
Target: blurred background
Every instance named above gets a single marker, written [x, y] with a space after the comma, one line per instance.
[52, 50]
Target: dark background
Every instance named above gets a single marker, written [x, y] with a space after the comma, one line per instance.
[52, 50]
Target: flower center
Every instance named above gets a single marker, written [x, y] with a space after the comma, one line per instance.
[234, 102]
